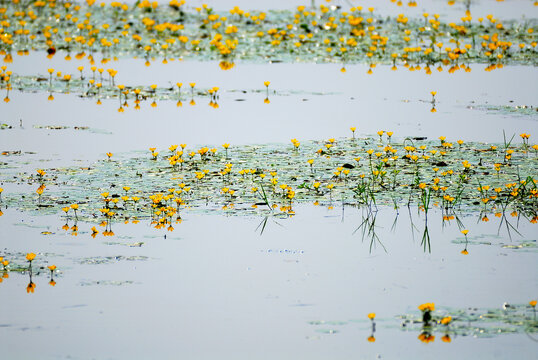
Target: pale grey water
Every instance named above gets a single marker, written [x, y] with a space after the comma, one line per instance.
[386, 100]
[225, 291]
[216, 288]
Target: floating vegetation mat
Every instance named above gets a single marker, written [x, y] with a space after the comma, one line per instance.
[270, 179]
[328, 34]
[482, 323]
[325, 34]
[99, 87]
[521, 110]
[448, 323]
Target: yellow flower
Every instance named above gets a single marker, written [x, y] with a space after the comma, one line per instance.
[464, 252]
[109, 154]
[371, 316]
[427, 307]
[30, 256]
[532, 303]
[52, 267]
[74, 206]
[192, 84]
[433, 93]
[266, 83]
[446, 320]
[465, 232]
[371, 338]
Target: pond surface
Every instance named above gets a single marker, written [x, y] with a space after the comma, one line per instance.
[251, 295]
[291, 273]
[312, 101]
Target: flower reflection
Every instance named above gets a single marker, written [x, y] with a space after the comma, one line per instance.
[31, 286]
[226, 65]
[464, 251]
[426, 337]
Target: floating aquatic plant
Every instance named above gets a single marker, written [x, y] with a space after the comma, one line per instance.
[425, 173]
[325, 34]
[508, 319]
[450, 323]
